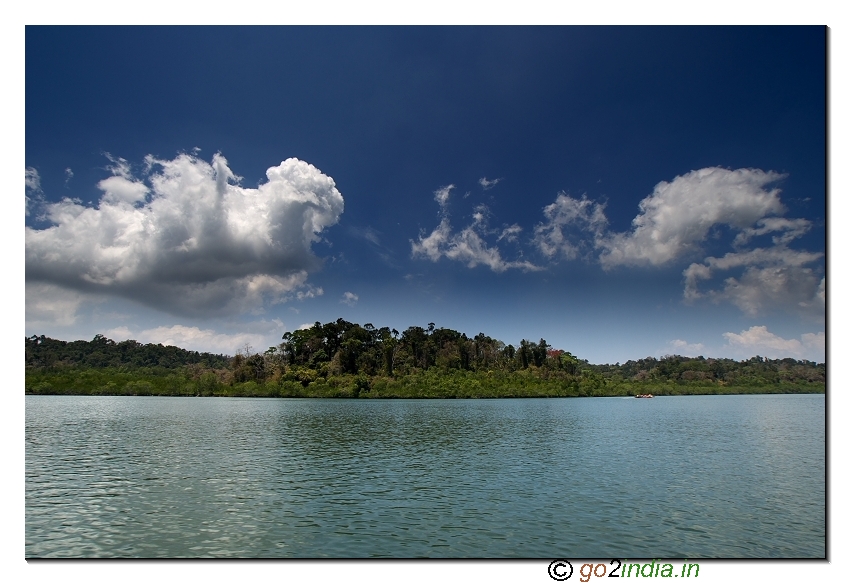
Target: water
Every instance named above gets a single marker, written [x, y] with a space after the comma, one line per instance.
[691, 477]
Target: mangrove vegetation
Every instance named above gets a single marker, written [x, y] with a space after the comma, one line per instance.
[344, 359]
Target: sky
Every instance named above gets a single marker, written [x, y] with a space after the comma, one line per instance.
[620, 192]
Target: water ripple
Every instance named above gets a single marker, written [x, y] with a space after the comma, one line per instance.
[731, 476]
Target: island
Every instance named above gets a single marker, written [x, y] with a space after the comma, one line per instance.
[347, 360]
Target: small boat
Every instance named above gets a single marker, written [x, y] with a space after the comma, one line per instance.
[647, 396]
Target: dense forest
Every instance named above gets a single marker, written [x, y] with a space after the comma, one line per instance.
[344, 359]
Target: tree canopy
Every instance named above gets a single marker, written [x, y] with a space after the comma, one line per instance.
[343, 358]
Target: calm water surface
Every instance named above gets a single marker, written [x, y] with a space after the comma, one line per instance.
[694, 477]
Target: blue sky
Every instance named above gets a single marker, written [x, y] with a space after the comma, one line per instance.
[622, 192]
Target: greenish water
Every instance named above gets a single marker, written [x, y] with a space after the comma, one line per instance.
[694, 477]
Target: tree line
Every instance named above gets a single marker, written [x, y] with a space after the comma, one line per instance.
[45, 353]
[346, 359]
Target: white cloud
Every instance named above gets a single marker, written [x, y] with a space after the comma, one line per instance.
[816, 343]
[678, 215]
[119, 167]
[757, 340]
[510, 233]
[432, 246]
[762, 287]
[569, 223]
[32, 179]
[311, 292]
[69, 174]
[790, 229]
[674, 223]
[480, 214]
[678, 218]
[683, 348]
[48, 305]
[32, 188]
[371, 235]
[206, 340]
[441, 195]
[467, 246]
[488, 184]
[772, 277]
[349, 298]
[189, 240]
[117, 190]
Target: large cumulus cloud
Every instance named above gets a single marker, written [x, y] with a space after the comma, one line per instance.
[187, 237]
